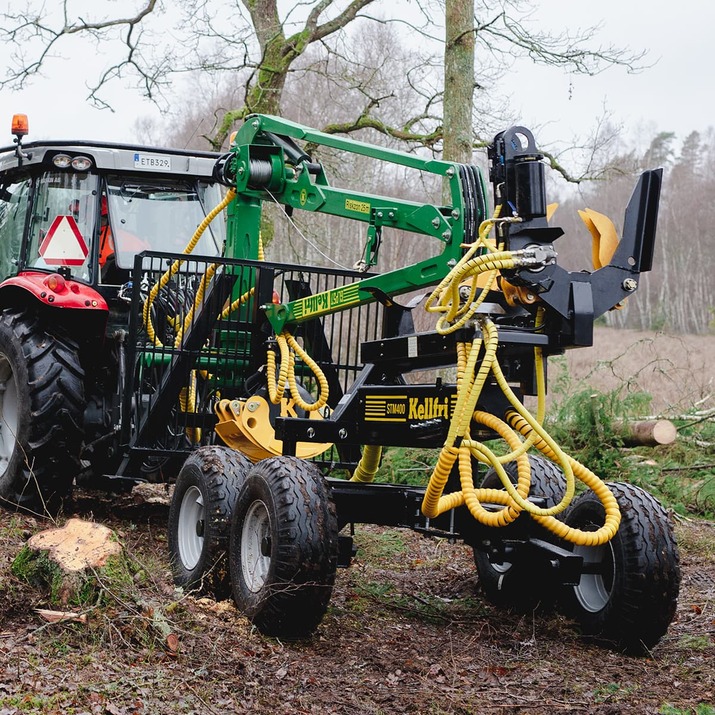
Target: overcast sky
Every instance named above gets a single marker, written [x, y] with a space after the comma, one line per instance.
[675, 94]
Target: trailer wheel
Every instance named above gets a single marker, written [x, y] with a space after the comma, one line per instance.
[520, 586]
[41, 413]
[284, 547]
[630, 597]
[200, 518]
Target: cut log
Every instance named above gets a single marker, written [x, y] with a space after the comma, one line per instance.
[69, 560]
[648, 433]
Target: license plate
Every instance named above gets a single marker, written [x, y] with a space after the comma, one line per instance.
[152, 161]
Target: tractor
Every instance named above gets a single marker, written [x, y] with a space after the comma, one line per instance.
[145, 337]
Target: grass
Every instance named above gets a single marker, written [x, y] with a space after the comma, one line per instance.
[681, 475]
[695, 643]
[612, 692]
[424, 607]
[380, 546]
[80, 589]
[699, 709]
[407, 465]
[697, 543]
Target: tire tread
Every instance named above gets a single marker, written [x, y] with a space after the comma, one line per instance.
[41, 477]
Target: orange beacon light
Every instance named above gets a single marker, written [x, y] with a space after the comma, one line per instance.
[20, 125]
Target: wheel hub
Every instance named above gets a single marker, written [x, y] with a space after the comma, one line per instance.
[256, 546]
[594, 589]
[191, 528]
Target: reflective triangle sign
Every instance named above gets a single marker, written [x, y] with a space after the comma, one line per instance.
[63, 244]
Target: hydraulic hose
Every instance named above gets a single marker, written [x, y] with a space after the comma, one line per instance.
[475, 363]
[176, 265]
[188, 395]
[289, 349]
[368, 465]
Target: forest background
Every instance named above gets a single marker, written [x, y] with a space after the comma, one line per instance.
[438, 78]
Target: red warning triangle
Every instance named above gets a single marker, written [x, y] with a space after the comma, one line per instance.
[63, 244]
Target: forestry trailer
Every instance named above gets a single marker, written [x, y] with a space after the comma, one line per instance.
[144, 337]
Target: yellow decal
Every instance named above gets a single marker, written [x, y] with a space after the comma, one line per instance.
[401, 408]
[321, 303]
[303, 197]
[361, 207]
[385, 408]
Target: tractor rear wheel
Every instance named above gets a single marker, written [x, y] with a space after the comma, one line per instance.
[519, 586]
[284, 547]
[629, 594]
[200, 518]
[41, 413]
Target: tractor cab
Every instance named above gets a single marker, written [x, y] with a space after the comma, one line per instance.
[85, 210]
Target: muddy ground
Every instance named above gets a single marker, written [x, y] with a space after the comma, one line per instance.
[408, 630]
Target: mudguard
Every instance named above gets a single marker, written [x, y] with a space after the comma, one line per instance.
[53, 289]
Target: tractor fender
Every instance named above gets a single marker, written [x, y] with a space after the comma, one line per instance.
[52, 290]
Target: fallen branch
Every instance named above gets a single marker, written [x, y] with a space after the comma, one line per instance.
[699, 415]
[60, 616]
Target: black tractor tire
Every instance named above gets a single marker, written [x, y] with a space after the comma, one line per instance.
[631, 601]
[200, 517]
[521, 587]
[284, 547]
[41, 413]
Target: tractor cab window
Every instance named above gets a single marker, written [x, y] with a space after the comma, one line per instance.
[161, 216]
[63, 222]
[14, 200]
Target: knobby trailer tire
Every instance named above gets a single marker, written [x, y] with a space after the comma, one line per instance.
[200, 518]
[42, 407]
[630, 596]
[284, 547]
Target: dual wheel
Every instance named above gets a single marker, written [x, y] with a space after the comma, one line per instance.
[267, 533]
[628, 591]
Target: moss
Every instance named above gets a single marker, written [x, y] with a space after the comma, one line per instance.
[78, 589]
[35, 568]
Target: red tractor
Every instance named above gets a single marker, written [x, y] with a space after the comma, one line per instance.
[73, 215]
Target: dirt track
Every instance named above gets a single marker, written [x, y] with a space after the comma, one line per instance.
[407, 632]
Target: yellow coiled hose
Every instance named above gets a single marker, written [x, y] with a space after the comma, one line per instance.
[289, 348]
[368, 465]
[188, 395]
[475, 363]
[174, 268]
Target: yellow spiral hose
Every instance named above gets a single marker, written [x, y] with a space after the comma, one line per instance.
[289, 349]
[476, 362]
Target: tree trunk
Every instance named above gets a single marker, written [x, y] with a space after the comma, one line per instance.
[69, 561]
[458, 80]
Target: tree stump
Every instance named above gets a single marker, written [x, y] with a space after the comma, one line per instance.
[70, 561]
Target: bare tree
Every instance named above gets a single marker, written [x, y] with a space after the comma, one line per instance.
[678, 295]
[459, 80]
[251, 38]
[260, 44]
